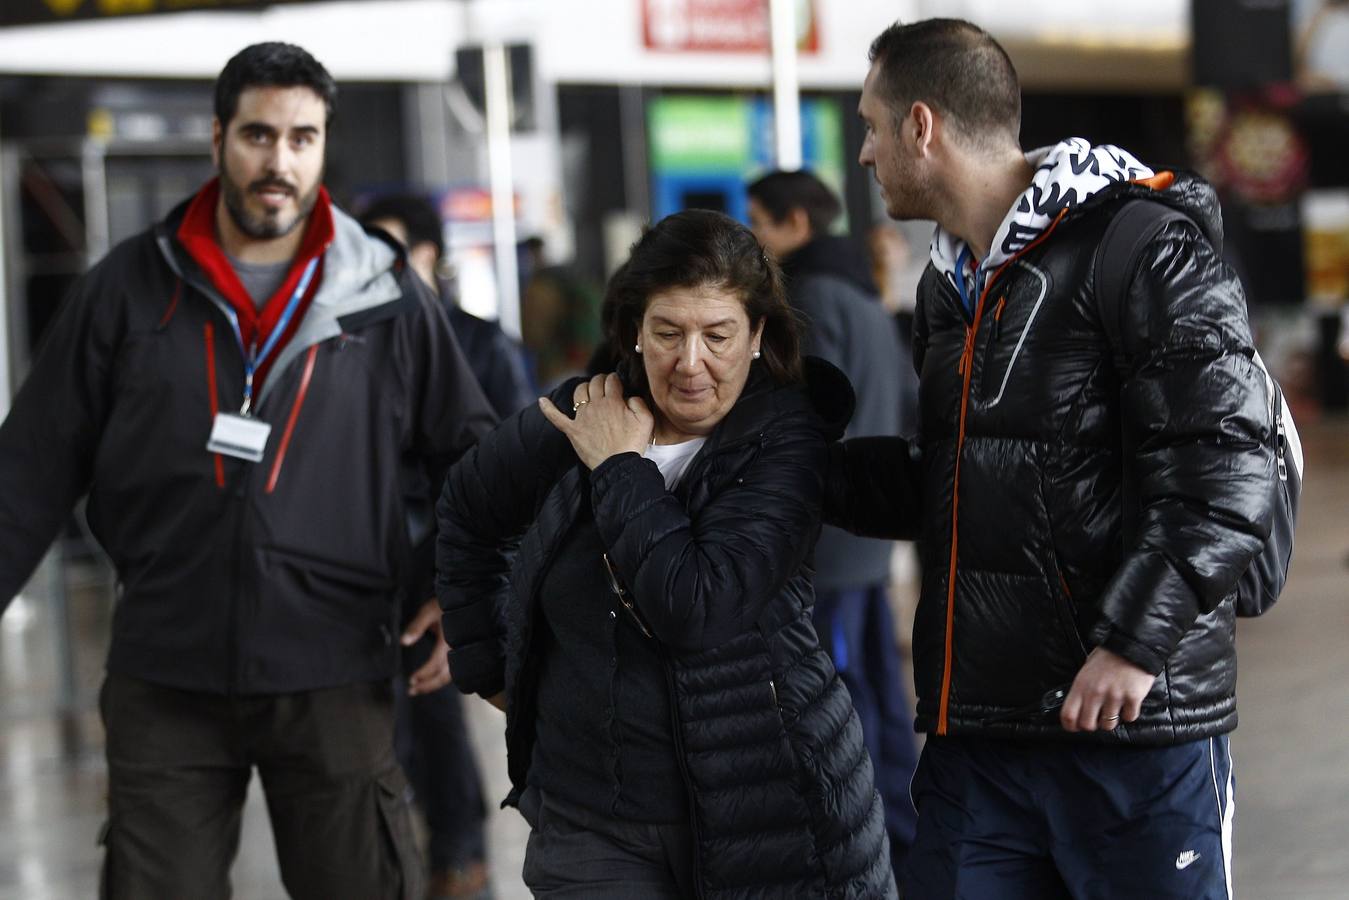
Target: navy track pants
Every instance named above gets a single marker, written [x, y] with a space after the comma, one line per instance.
[1041, 820]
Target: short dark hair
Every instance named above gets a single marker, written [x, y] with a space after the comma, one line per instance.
[781, 192]
[272, 64]
[701, 248]
[419, 218]
[955, 67]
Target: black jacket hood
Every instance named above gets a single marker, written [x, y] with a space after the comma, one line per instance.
[1189, 194]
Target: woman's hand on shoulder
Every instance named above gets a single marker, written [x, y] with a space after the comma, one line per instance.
[605, 423]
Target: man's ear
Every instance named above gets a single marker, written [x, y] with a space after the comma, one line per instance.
[423, 258]
[217, 138]
[799, 223]
[925, 124]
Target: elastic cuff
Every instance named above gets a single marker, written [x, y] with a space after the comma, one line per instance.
[603, 470]
[489, 691]
[1139, 654]
[478, 669]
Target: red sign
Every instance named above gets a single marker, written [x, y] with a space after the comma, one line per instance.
[724, 26]
[472, 204]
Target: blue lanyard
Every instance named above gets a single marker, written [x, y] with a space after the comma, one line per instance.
[253, 357]
[966, 299]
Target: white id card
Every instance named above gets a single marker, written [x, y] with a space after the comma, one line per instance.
[242, 437]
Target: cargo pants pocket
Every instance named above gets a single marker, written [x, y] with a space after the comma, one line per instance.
[396, 821]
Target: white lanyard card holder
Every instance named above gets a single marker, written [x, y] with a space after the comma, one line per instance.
[242, 437]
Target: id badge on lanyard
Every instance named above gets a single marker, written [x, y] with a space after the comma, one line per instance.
[242, 435]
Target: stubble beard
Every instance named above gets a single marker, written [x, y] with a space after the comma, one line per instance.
[267, 225]
[909, 202]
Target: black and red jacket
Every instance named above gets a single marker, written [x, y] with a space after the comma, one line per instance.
[1041, 423]
[242, 578]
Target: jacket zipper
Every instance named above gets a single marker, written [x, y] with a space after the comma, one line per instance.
[966, 369]
[1067, 612]
[300, 393]
[676, 733]
[242, 491]
[992, 345]
[236, 576]
[240, 499]
[214, 396]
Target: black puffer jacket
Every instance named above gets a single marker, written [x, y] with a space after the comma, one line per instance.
[779, 779]
[1041, 421]
[829, 283]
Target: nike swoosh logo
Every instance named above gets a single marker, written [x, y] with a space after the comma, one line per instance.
[1186, 859]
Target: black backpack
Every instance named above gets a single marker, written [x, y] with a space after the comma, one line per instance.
[1136, 223]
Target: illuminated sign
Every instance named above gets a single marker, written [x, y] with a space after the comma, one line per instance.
[704, 149]
[35, 12]
[725, 26]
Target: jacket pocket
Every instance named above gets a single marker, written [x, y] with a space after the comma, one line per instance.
[990, 382]
[348, 597]
[1066, 609]
[320, 571]
[396, 821]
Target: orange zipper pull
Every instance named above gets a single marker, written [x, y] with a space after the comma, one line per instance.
[967, 351]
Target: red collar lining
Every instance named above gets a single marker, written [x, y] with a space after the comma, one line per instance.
[197, 235]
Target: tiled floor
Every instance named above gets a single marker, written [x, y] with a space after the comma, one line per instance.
[53, 779]
[1292, 749]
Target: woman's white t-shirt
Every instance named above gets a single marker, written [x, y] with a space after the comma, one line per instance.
[674, 459]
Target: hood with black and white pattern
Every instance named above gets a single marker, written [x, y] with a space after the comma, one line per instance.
[1066, 175]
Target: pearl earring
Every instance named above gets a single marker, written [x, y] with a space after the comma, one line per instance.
[637, 347]
[756, 354]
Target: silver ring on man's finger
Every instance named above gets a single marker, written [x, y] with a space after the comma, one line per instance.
[576, 407]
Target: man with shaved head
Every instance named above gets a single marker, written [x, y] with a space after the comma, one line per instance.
[1091, 478]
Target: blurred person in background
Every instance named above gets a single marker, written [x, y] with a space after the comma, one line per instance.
[431, 734]
[559, 316]
[674, 728]
[242, 390]
[892, 261]
[496, 360]
[896, 269]
[1092, 476]
[829, 283]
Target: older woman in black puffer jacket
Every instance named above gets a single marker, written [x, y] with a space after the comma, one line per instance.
[626, 570]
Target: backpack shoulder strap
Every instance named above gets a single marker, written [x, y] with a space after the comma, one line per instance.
[1136, 223]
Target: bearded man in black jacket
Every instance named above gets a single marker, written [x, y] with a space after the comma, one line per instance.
[829, 284]
[252, 392]
[1090, 480]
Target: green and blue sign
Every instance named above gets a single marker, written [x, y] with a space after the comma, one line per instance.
[704, 149]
